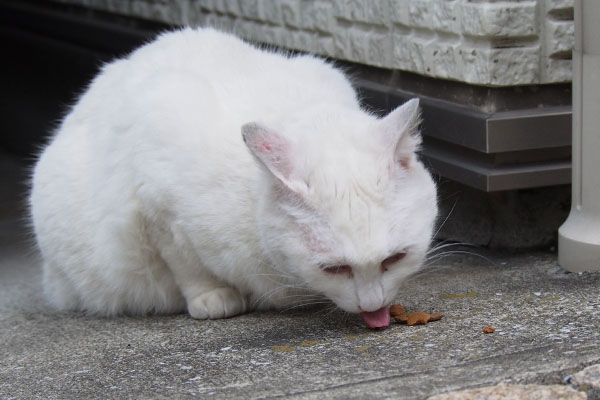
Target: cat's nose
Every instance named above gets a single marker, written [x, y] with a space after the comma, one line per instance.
[369, 306]
[371, 298]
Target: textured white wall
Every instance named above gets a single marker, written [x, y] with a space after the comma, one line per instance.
[494, 42]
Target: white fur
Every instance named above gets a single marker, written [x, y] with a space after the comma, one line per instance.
[147, 200]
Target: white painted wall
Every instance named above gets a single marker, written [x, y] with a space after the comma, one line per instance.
[484, 42]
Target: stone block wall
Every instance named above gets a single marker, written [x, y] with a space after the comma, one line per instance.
[482, 42]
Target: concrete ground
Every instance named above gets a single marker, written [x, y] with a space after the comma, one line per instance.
[547, 328]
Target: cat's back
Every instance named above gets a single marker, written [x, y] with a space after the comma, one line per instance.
[225, 58]
[249, 80]
[196, 87]
[182, 97]
[201, 51]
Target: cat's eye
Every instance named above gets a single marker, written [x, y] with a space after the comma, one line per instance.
[388, 262]
[337, 269]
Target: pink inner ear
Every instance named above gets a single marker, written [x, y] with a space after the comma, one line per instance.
[264, 143]
[275, 152]
[266, 146]
[404, 163]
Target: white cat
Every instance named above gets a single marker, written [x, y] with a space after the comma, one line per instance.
[202, 173]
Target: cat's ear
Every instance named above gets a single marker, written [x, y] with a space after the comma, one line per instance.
[400, 130]
[274, 151]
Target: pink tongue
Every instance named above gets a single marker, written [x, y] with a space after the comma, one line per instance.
[377, 319]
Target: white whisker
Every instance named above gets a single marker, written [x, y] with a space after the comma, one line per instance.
[443, 245]
[445, 219]
[304, 305]
[425, 272]
[454, 252]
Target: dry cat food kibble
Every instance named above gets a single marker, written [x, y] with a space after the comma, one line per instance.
[416, 318]
[396, 309]
[488, 329]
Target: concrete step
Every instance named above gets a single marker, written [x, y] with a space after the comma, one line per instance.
[546, 324]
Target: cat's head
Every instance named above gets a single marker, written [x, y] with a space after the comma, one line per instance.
[347, 207]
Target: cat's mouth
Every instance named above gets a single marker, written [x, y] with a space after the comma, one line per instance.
[377, 319]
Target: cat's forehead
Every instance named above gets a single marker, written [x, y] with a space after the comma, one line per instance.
[330, 125]
[372, 218]
[350, 177]
[350, 196]
[362, 223]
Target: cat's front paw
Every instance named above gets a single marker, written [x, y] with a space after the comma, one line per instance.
[218, 303]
